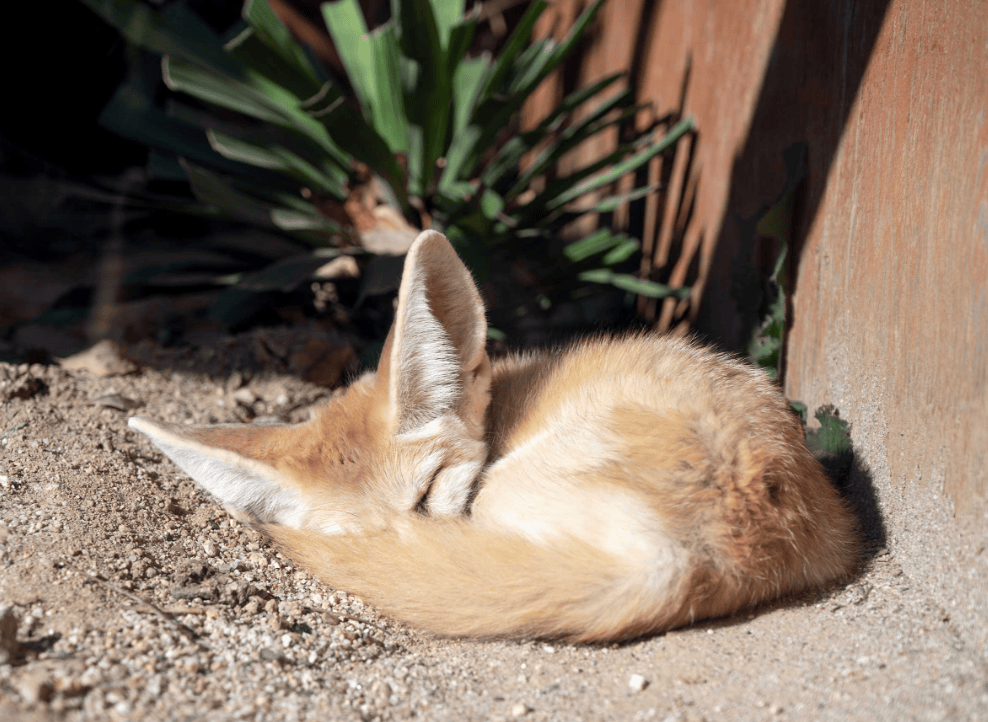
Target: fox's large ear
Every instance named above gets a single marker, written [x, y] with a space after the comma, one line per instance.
[437, 360]
[229, 462]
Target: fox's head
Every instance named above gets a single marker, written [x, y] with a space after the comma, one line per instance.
[406, 439]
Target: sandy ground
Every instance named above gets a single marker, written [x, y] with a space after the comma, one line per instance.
[126, 593]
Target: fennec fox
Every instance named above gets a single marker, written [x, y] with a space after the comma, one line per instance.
[622, 487]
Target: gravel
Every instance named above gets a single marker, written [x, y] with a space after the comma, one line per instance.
[127, 593]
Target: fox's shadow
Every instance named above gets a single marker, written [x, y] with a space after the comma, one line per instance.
[852, 478]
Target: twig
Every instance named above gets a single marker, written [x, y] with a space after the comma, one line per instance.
[150, 605]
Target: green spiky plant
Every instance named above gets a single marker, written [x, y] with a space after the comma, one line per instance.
[262, 132]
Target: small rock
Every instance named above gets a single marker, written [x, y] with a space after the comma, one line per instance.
[244, 396]
[104, 359]
[26, 387]
[190, 571]
[520, 710]
[209, 547]
[271, 655]
[35, 687]
[116, 401]
[339, 267]
[173, 507]
[277, 622]
[237, 593]
[9, 646]
[636, 683]
[69, 686]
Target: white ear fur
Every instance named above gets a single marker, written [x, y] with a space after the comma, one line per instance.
[248, 488]
[439, 364]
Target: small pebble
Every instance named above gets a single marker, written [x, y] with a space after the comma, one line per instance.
[34, 687]
[520, 710]
[636, 683]
[244, 396]
[9, 645]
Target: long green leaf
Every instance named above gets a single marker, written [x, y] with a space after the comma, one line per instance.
[622, 252]
[303, 222]
[576, 33]
[461, 35]
[539, 61]
[274, 157]
[293, 220]
[537, 210]
[243, 98]
[249, 49]
[427, 101]
[633, 284]
[577, 98]
[611, 203]
[275, 35]
[360, 140]
[345, 22]
[363, 142]
[620, 169]
[531, 66]
[211, 189]
[389, 111]
[286, 274]
[505, 162]
[447, 13]
[601, 241]
[257, 133]
[468, 81]
[516, 43]
[572, 137]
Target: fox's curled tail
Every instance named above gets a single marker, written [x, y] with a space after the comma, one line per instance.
[452, 578]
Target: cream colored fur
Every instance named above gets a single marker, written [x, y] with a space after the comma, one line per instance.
[621, 487]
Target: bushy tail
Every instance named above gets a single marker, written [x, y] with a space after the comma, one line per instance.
[452, 578]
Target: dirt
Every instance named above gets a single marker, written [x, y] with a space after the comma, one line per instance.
[127, 593]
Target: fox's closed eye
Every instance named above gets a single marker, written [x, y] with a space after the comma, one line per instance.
[422, 505]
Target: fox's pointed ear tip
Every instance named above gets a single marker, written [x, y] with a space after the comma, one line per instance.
[428, 236]
[139, 423]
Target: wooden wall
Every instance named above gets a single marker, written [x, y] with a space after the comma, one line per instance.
[874, 116]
